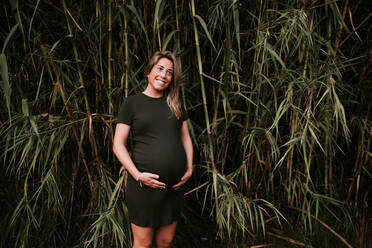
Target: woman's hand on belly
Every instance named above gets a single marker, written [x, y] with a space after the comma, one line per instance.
[184, 179]
[149, 179]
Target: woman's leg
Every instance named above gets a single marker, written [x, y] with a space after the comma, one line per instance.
[142, 236]
[164, 235]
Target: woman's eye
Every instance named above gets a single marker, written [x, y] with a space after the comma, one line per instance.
[168, 73]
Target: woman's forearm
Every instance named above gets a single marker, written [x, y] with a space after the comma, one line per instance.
[123, 156]
[187, 144]
[120, 150]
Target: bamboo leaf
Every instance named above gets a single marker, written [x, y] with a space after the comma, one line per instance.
[205, 28]
[32, 19]
[138, 18]
[236, 22]
[168, 39]
[9, 36]
[7, 90]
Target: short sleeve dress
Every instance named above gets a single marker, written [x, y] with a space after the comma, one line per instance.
[157, 148]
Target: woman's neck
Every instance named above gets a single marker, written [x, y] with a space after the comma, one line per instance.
[153, 93]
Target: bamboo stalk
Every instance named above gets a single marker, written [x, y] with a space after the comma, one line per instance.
[200, 66]
[97, 78]
[109, 57]
[178, 42]
[77, 60]
[82, 85]
[283, 105]
[74, 130]
[126, 88]
[326, 226]
[290, 240]
[157, 25]
[89, 115]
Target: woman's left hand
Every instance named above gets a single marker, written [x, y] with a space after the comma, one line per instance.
[184, 179]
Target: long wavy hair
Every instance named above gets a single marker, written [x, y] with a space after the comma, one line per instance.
[172, 91]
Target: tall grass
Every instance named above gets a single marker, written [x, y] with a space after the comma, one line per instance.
[278, 94]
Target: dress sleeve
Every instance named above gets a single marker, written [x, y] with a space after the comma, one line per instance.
[125, 114]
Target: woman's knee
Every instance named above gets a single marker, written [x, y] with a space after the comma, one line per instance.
[164, 242]
[142, 236]
[164, 235]
[142, 242]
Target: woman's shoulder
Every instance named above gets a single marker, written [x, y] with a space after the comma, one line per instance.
[133, 98]
[128, 107]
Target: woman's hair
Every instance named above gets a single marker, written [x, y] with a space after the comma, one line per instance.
[172, 91]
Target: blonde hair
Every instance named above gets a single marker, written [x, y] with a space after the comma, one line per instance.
[172, 91]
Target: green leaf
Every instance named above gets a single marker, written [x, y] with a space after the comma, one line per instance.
[204, 26]
[7, 90]
[12, 31]
[168, 39]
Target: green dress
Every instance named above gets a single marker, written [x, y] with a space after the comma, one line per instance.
[157, 148]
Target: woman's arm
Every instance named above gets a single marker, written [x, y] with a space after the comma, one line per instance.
[120, 149]
[187, 144]
[121, 152]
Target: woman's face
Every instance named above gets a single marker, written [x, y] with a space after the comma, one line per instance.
[161, 75]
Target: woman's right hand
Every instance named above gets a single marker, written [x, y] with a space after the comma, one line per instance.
[149, 179]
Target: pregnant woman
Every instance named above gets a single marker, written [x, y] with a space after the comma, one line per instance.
[161, 158]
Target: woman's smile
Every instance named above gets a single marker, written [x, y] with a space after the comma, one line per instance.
[160, 76]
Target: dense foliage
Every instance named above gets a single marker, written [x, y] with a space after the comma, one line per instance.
[279, 98]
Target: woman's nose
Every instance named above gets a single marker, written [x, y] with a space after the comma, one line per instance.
[163, 74]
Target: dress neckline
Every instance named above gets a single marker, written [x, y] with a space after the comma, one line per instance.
[162, 97]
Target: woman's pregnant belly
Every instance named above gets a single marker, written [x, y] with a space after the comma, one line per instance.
[167, 161]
